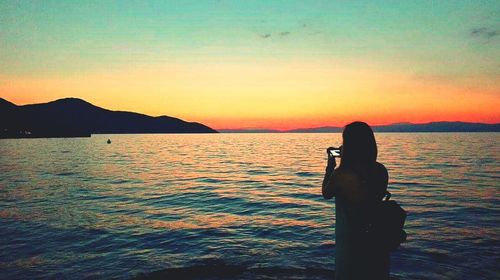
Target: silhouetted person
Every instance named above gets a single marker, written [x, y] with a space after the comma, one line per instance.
[357, 185]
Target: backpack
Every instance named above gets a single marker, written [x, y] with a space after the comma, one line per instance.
[386, 224]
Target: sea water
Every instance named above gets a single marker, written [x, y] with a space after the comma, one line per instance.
[75, 208]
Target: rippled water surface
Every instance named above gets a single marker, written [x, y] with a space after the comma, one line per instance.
[73, 208]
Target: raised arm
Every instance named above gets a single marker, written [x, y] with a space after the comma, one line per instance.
[327, 189]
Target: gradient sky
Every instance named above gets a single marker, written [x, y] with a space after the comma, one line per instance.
[258, 64]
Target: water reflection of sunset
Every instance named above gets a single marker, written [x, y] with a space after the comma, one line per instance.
[244, 196]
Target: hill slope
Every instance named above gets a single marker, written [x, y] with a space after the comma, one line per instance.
[75, 117]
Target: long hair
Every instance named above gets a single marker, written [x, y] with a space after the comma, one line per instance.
[359, 149]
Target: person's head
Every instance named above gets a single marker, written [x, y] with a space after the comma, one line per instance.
[359, 147]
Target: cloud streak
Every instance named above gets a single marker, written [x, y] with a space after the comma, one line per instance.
[280, 34]
[484, 32]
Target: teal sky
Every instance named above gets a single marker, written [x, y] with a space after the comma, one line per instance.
[457, 38]
[274, 64]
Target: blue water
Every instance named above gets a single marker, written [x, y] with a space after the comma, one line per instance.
[74, 208]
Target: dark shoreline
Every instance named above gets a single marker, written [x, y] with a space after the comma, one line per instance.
[37, 136]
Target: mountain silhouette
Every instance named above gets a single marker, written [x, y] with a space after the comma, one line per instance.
[421, 127]
[396, 127]
[71, 117]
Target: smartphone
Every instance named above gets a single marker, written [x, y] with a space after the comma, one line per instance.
[334, 152]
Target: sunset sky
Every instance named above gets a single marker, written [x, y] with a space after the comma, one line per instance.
[258, 64]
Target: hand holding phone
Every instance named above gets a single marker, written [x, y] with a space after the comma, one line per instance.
[333, 152]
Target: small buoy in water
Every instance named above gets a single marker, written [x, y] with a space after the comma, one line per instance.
[109, 141]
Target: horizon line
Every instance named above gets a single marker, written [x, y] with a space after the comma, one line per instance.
[342, 126]
[266, 128]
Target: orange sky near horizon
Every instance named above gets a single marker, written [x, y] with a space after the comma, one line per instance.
[278, 95]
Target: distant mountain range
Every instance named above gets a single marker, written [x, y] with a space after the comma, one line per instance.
[256, 130]
[397, 127]
[72, 117]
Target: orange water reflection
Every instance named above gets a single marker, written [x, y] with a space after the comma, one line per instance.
[244, 195]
